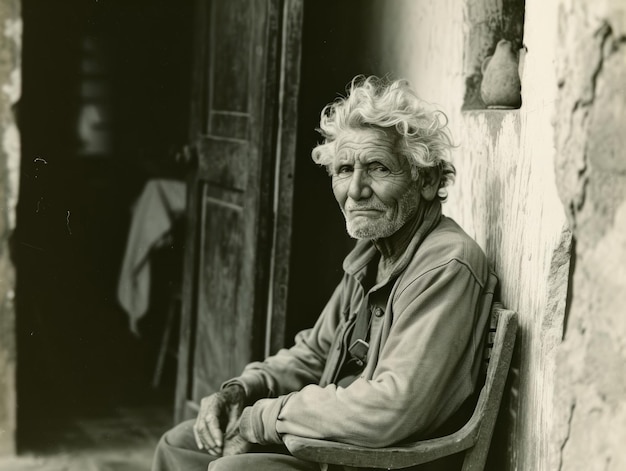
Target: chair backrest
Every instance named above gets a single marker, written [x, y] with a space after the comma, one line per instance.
[498, 353]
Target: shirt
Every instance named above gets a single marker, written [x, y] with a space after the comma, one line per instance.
[424, 356]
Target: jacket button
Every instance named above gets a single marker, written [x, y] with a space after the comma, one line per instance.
[378, 311]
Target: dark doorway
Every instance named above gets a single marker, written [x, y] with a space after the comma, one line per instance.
[104, 107]
[334, 51]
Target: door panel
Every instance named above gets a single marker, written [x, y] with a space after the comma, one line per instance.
[236, 24]
[228, 166]
[218, 350]
[231, 210]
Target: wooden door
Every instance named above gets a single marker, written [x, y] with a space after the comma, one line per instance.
[243, 126]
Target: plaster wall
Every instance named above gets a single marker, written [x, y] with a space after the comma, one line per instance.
[505, 194]
[10, 89]
[590, 399]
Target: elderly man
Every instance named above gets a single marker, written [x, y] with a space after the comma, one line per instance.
[395, 354]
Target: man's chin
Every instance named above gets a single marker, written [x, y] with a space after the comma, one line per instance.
[369, 231]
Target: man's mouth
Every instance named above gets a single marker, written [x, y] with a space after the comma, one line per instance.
[364, 211]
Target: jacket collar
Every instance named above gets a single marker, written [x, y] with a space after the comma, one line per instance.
[364, 251]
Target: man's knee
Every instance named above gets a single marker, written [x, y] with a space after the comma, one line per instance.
[174, 445]
[261, 462]
[177, 449]
[180, 436]
[229, 463]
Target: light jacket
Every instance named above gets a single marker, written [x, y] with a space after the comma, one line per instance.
[426, 347]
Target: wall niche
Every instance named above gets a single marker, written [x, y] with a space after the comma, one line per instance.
[494, 28]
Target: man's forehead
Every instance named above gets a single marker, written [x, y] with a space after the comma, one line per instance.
[354, 140]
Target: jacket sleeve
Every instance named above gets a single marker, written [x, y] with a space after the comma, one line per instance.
[291, 369]
[427, 354]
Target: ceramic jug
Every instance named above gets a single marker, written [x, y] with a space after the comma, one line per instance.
[500, 87]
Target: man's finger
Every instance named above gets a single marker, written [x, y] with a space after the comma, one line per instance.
[214, 431]
[197, 438]
[204, 434]
[233, 421]
[236, 446]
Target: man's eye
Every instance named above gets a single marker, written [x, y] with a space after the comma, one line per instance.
[344, 170]
[378, 170]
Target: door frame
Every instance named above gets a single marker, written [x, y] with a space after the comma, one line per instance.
[272, 280]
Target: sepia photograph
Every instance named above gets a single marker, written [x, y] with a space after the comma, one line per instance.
[312, 235]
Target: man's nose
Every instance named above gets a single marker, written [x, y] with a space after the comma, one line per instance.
[359, 185]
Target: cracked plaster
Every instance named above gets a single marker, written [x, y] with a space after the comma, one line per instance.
[590, 397]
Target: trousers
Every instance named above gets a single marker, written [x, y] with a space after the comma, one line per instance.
[177, 451]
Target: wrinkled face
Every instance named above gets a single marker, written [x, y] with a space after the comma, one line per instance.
[372, 185]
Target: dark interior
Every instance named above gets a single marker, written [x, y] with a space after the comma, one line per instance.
[122, 69]
[332, 54]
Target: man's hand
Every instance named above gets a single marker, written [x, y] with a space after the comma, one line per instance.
[234, 443]
[219, 413]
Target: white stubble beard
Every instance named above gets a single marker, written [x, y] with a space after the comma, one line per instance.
[382, 227]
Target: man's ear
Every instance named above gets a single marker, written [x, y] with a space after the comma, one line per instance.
[430, 176]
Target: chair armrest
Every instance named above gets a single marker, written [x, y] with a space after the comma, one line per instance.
[324, 451]
[476, 432]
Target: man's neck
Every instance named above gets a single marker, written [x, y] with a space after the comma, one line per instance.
[392, 247]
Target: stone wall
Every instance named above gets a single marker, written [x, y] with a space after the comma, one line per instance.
[590, 399]
[10, 74]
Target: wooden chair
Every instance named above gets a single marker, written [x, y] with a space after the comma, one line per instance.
[473, 438]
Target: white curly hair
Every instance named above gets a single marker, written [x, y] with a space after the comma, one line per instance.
[420, 132]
